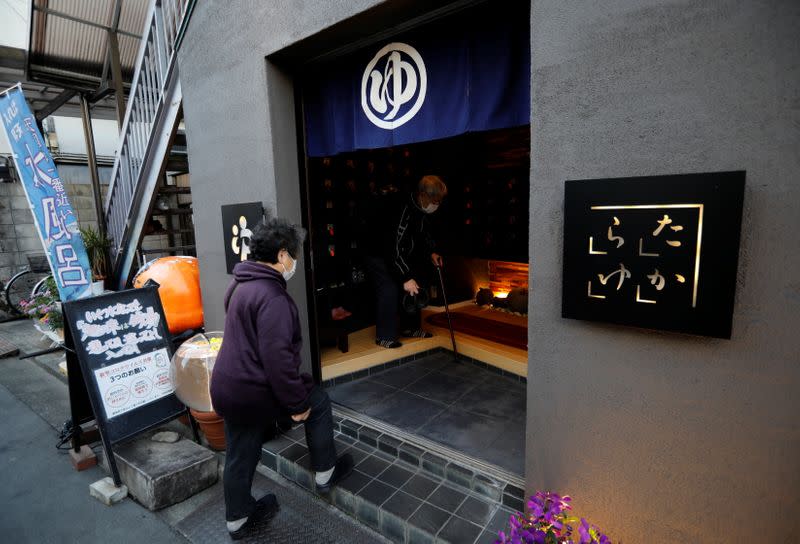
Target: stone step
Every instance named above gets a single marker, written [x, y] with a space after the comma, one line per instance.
[401, 488]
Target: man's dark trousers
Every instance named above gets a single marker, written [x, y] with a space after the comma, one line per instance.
[388, 293]
[243, 452]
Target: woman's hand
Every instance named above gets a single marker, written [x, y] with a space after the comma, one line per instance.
[297, 418]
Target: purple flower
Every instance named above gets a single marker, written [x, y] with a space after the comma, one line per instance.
[583, 530]
[539, 537]
[590, 534]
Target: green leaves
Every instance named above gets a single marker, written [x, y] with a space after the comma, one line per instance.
[97, 247]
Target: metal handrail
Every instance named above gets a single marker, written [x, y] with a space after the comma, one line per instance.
[155, 65]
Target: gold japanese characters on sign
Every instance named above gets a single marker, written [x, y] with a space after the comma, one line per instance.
[666, 237]
[656, 252]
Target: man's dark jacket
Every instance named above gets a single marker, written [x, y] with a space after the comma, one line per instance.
[397, 230]
[256, 376]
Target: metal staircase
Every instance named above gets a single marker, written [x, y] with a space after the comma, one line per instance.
[151, 119]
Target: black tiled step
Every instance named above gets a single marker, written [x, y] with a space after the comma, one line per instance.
[392, 490]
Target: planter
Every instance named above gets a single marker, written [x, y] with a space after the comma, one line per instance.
[213, 428]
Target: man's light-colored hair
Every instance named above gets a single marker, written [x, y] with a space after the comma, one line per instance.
[433, 186]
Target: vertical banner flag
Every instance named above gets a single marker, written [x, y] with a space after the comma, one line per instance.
[52, 212]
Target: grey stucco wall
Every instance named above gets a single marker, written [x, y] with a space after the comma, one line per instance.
[242, 140]
[664, 437]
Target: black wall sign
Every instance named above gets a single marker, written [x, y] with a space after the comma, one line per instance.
[123, 349]
[238, 222]
[659, 252]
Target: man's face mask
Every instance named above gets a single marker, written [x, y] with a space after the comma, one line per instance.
[432, 206]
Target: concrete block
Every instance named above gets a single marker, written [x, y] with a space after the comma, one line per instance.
[78, 189]
[85, 216]
[11, 189]
[5, 216]
[106, 492]
[7, 231]
[88, 223]
[8, 259]
[6, 272]
[19, 203]
[159, 474]
[30, 244]
[25, 230]
[82, 459]
[9, 244]
[21, 216]
[82, 202]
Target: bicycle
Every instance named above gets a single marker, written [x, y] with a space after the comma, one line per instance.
[27, 283]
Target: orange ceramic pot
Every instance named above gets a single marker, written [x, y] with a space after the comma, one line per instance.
[213, 428]
[179, 281]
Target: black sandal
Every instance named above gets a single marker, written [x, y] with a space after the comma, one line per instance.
[418, 333]
[390, 344]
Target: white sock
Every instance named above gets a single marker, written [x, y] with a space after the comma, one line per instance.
[323, 478]
[236, 525]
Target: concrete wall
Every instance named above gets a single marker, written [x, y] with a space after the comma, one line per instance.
[18, 236]
[240, 127]
[663, 437]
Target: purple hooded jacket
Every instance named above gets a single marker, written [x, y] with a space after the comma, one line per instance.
[256, 376]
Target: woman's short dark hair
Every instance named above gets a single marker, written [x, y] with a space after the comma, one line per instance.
[273, 235]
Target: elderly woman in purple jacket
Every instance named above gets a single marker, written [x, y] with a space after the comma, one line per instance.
[257, 380]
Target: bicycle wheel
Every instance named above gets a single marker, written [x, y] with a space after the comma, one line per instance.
[40, 285]
[20, 287]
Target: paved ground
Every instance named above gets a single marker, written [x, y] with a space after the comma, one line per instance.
[43, 500]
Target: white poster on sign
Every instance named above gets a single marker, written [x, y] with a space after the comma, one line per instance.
[134, 382]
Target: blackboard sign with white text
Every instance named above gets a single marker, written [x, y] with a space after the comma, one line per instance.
[659, 252]
[123, 348]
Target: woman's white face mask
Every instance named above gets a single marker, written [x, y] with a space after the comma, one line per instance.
[288, 273]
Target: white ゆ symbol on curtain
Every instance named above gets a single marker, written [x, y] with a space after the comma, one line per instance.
[384, 92]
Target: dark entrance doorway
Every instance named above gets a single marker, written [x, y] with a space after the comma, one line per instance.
[475, 405]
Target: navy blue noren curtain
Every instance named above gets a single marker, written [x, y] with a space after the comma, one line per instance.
[466, 73]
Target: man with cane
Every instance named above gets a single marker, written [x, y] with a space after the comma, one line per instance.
[398, 244]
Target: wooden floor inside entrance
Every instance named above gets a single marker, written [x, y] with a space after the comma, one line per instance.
[363, 352]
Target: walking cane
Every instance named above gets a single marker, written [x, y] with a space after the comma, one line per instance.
[447, 311]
